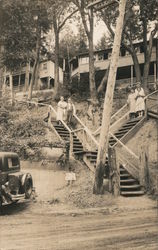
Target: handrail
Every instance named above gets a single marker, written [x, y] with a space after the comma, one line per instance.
[112, 117]
[147, 96]
[77, 130]
[61, 120]
[124, 146]
[87, 130]
[114, 124]
[124, 106]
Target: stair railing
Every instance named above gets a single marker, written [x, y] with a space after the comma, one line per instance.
[115, 118]
[152, 101]
[127, 158]
[88, 140]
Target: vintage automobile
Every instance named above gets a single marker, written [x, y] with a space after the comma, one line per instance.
[14, 185]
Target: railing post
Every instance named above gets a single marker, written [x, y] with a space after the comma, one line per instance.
[144, 171]
[71, 146]
[114, 176]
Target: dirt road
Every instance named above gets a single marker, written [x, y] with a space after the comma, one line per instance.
[26, 229]
[40, 225]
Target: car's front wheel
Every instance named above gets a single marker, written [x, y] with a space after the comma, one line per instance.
[27, 185]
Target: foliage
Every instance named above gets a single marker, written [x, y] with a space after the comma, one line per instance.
[103, 43]
[72, 44]
[20, 21]
[139, 22]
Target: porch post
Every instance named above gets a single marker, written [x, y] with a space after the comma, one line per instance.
[131, 74]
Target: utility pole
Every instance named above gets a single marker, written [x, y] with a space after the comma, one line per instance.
[108, 101]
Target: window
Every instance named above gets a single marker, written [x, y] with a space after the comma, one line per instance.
[44, 65]
[141, 49]
[100, 57]
[123, 52]
[105, 55]
[13, 162]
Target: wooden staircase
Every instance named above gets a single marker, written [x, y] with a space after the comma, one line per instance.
[121, 130]
[121, 133]
[65, 136]
[129, 186]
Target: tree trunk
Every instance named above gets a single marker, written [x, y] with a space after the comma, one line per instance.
[35, 68]
[11, 89]
[147, 59]
[27, 76]
[56, 70]
[92, 85]
[103, 83]
[103, 143]
[89, 33]
[136, 66]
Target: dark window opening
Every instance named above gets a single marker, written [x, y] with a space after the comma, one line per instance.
[13, 162]
[105, 55]
[123, 52]
[141, 49]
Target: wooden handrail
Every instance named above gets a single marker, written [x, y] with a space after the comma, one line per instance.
[124, 106]
[147, 96]
[77, 130]
[86, 130]
[124, 146]
[121, 118]
[112, 117]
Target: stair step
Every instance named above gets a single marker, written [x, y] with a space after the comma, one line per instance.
[59, 127]
[153, 115]
[122, 176]
[79, 152]
[132, 193]
[127, 127]
[123, 130]
[77, 148]
[63, 132]
[132, 122]
[118, 134]
[77, 143]
[136, 186]
[127, 181]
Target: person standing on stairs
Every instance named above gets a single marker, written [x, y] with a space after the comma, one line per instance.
[131, 102]
[140, 103]
[71, 110]
[61, 110]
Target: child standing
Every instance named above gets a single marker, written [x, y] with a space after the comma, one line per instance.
[131, 102]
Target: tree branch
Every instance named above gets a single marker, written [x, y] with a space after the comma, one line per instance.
[68, 17]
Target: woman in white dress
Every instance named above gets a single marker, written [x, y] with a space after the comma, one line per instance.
[131, 102]
[61, 110]
[140, 104]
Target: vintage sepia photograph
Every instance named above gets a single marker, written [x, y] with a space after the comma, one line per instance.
[78, 124]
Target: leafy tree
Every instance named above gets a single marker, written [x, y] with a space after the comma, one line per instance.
[59, 11]
[87, 17]
[72, 44]
[103, 43]
[137, 26]
[23, 28]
